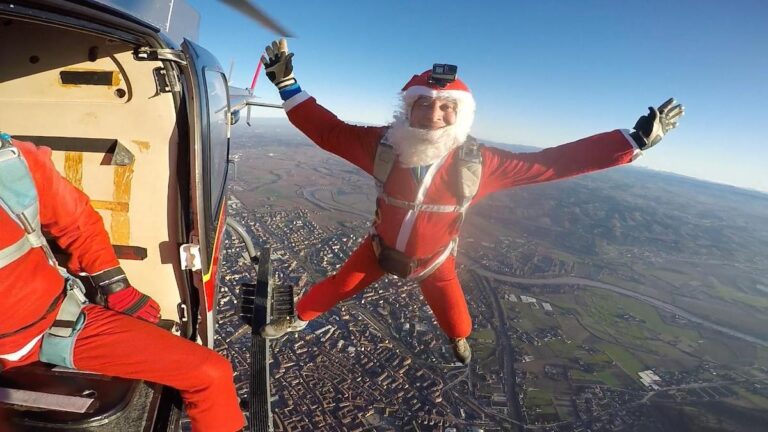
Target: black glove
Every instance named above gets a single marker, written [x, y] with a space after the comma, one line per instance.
[122, 297]
[652, 127]
[278, 64]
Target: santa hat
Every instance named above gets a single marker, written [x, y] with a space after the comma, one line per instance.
[420, 85]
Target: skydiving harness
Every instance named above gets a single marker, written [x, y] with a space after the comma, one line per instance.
[468, 169]
[18, 198]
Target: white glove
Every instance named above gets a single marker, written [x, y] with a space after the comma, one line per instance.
[652, 127]
[278, 64]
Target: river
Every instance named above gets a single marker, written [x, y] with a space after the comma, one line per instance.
[570, 280]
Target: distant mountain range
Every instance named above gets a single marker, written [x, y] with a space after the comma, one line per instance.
[281, 126]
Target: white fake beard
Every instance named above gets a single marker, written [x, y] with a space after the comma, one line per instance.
[417, 147]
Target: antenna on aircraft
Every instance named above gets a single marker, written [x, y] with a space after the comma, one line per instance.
[250, 90]
[256, 74]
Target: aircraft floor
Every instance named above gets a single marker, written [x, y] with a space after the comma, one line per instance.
[131, 419]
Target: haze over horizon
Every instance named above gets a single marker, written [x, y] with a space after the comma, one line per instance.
[542, 73]
[255, 123]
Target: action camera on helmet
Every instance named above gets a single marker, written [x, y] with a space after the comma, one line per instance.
[443, 74]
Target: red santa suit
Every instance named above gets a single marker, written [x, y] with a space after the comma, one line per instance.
[110, 343]
[424, 235]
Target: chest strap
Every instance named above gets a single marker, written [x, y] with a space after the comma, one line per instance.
[18, 198]
[15, 251]
[383, 161]
[468, 167]
[410, 205]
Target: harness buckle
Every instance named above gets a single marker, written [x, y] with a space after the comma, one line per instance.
[77, 289]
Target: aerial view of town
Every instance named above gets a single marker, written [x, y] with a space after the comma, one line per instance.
[598, 303]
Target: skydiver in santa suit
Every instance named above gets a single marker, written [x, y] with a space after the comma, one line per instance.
[429, 170]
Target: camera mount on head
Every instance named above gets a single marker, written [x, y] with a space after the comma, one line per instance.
[443, 74]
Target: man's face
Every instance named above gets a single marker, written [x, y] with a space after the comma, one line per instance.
[432, 114]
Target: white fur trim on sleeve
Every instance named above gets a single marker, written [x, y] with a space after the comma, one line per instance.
[637, 153]
[295, 100]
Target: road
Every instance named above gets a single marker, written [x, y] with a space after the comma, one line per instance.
[505, 350]
[570, 280]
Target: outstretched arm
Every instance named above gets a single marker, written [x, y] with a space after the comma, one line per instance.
[503, 169]
[67, 216]
[357, 144]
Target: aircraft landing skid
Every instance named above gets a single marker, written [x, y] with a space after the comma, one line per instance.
[261, 302]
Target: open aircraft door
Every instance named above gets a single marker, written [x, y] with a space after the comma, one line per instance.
[209, 130]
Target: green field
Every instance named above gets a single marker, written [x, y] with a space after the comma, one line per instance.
[531, 319]
[541, 400]
[669, 275]
[609, 378]
[731, 351]
[578, 375]
[606, 377]
[564, 408]
[762, 356]
[562, 350]
[604, 307]
[598, 360]
[731, 294]
[483, 343]
[752, 400]
[625, 359]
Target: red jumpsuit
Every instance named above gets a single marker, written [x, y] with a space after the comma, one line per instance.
[110, 343]
[426, 234]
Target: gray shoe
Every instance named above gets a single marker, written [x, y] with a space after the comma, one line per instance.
[281, 326]
[461, 350]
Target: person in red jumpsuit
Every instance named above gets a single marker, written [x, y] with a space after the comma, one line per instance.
[118, 339]
[414, 216]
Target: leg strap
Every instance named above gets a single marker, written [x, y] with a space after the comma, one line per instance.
[59, 342]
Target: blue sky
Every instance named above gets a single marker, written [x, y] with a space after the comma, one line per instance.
[543, 73]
